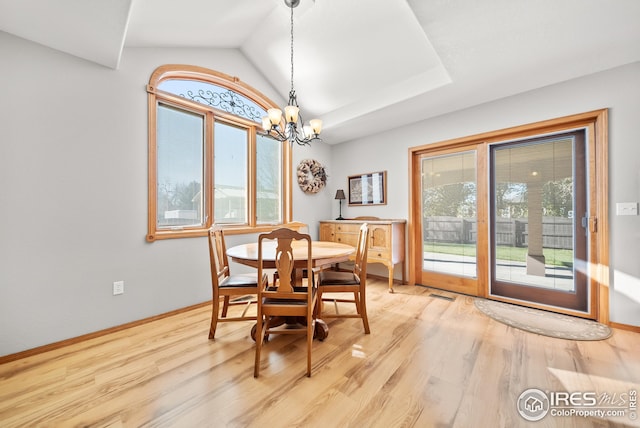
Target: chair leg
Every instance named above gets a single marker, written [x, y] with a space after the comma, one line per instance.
[319, 305]
[363, 312]
[225, 306]
[215, 309]
[259, 341]
[310, 327]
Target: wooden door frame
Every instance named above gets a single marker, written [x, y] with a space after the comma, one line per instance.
[596, 125]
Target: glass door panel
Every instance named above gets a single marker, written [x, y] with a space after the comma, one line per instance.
[538, 198]
[449, 214]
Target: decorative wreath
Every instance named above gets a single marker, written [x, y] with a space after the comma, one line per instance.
[311, 176]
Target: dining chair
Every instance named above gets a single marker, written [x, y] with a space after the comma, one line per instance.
[283, 299]
[225, 285]
[355, 281]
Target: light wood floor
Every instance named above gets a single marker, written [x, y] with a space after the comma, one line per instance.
[428, 362]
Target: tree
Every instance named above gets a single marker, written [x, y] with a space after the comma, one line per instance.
[452, 200]
[557, 197]
[179, 196]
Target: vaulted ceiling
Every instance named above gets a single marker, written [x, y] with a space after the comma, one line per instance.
[362, 66]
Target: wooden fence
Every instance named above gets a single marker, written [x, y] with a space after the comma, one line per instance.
[557, 232]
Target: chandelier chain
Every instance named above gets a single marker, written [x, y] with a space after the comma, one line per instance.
[291, 47]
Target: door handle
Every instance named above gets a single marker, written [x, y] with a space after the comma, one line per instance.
[590, 224]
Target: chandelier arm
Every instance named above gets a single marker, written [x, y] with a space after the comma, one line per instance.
[305, 142]
[277, 134]
[294, 136]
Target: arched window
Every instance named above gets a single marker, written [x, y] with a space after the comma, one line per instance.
[208, 160]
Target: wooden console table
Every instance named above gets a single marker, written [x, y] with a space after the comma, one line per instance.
[386, 240]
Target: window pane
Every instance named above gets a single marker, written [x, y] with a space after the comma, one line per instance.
[230, 174]
[269, 180]
[180, 136]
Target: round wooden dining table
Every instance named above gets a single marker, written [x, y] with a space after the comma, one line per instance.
[323, 253]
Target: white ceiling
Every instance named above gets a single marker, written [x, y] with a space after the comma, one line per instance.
[362, 66]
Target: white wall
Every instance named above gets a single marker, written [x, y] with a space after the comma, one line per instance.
[73, 186]
[73, 194]
[618, 90]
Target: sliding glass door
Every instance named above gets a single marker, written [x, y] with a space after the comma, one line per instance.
[518, 215]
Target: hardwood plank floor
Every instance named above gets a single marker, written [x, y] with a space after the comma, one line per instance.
[428, 362]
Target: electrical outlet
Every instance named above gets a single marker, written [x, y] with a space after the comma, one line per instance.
[118, 288]
[627, 208]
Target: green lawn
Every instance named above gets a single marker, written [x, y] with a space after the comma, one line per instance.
[517, 254]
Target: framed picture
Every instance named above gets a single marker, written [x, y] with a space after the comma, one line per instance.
[368, 189]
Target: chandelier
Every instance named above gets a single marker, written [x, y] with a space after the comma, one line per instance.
[294, 128]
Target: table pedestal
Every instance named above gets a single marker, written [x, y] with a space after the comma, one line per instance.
[320, 332]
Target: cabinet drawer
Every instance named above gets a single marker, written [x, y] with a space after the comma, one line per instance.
[347, 238]
[348, 228]
[378, 253]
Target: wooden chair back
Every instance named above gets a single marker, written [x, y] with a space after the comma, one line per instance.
[285, 262]
[362, 250]
[300, 228]
[218, 255]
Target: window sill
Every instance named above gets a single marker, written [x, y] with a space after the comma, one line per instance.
[228, 230]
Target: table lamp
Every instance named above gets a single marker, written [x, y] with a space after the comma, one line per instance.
[340, 196]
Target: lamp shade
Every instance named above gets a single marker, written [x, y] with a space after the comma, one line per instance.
[291, 114]
[340, 194]
[275, 115]
[266, 123]
[316, 126]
